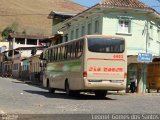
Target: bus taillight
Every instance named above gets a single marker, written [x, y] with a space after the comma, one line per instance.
[125, 75]
[85, 74]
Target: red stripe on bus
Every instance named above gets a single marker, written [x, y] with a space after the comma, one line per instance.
[103, 59]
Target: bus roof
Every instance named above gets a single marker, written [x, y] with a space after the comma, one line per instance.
[88, 36]
[104, 36]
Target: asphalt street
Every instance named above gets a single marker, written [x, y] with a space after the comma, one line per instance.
[16, 97]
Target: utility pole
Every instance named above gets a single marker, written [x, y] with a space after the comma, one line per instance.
[142, 66]
[147, 36]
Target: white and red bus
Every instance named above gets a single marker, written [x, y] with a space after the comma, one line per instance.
[95, 63]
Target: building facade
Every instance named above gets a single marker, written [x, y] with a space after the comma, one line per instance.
[25, 63]
[22, 47]
[136, 22]
[35, 69]
[20, 40]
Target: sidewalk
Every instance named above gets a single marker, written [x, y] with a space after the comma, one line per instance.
[153, 93]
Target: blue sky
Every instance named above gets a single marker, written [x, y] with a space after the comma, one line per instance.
[155, 4]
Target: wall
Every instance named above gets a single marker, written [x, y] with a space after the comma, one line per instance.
[108, 25]
[27, 53]
[14, 45]
[35, 69]
[142, 38]
[16, 68]
[25, 69]
[77, 24]
[1, 62]
[136, 41]
[84, 22]
[6, 44]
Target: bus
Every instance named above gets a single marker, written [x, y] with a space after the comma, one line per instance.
[93, 63]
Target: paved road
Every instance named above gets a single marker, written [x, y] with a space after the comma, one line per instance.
[17, 97]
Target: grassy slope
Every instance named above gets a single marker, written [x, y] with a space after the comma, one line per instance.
[18, 10]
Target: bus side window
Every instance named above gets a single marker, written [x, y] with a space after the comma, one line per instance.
[49, 55]
[65, 51]
[73, 50]
[55, 54]
[80, 48]
[59, 52]
[52, 55]
[48, 58]
[76, 49]
[69, 51]
[46, 55]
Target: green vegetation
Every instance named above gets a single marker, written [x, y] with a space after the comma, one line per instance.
[6, 32]
[10, 29]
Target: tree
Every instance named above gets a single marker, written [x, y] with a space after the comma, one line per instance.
[6, 32]
[10, 29]
[24, 32]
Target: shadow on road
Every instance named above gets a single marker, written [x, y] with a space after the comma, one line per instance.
[62, 95]
[18, 82]
[29, 83]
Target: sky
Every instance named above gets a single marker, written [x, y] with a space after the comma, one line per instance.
[155, 4]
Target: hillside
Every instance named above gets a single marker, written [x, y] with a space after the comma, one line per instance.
[31, 15]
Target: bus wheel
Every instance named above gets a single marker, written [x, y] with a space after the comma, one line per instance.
[51, 90]
[148, 90]
[67, 89]
[157, 90]
[100, 94]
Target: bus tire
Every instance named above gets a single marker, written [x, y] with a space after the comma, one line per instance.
[67, 89]
[148, 90]
[100, 93]
[50, 90]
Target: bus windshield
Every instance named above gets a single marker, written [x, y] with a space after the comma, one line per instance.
[106, 45]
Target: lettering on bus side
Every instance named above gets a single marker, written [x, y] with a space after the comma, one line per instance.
[105, 69]
[117, 56]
